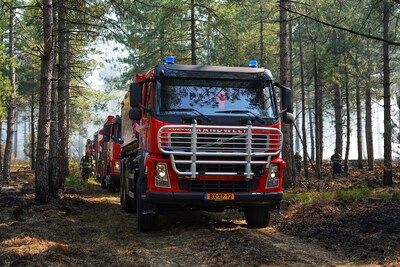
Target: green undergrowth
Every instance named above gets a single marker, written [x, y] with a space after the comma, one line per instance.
[350, 194]
[74, 180]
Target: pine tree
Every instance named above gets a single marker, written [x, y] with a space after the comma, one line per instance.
[42, 167]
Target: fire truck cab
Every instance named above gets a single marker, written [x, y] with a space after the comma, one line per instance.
[203, 137]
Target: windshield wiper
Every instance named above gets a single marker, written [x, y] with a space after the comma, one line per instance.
[190, 110]
[242, 111]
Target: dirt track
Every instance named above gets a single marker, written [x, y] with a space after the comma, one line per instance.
[88, 228]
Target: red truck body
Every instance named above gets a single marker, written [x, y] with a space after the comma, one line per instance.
[108, 157]
[98, 152]
[189, 144]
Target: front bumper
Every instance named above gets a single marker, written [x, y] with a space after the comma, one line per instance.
[200, 198]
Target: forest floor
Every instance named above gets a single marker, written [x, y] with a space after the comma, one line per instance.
[342, 221]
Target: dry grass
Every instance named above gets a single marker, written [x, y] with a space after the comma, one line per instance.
[23, 246]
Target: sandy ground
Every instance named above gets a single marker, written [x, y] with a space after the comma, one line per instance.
[87, 227]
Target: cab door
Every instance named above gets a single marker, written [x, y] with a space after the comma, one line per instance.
[148, 100]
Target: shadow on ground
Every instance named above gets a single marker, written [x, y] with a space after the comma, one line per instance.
[364, 231]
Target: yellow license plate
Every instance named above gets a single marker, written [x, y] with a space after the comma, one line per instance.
[220, 196]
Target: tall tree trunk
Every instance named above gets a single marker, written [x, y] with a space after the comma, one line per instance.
[287, 151]
[208, 39]
[68, 115]
[387, 135]
[1, 145]
[33, 152]
[318, 116]
[42, 166]
[368, 123]
[64, 56]
[25, 145]
[193, 33]
[15, 144]
[262, 63]
[303, 103]
[359, 125]
[54, 149]
[10, 100]
[398, 106]
[311, 123]
[297, 111]
[291, 85]
[162, 42]
[348, 130]
[53, 146]
[338, 105]
[369, 138]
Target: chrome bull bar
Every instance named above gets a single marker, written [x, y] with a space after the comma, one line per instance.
[195, 144]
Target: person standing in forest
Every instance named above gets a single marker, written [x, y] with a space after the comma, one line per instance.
[87, 165]
[336, 163]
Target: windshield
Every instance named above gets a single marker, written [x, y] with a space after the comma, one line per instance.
[211, 97]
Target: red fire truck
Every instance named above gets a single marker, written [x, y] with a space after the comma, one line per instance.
[203, 137]
[109, 159]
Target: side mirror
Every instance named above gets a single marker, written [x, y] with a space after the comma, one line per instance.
[135, 95]
[135, 113]
[288, 117]
[286, 103]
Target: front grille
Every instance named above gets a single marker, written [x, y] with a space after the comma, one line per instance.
[214, 143]
[203, 150]
[218, 186]
[202, 169]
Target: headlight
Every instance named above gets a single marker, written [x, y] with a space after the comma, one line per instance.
[162, 178]
[273, 176]
[117, 166]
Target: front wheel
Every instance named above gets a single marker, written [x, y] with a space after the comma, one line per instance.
[128, 203]
[147, 218]
[257, 216]
[103, 183]
[111, 187]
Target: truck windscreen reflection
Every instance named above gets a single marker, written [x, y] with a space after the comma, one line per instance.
[212, 97]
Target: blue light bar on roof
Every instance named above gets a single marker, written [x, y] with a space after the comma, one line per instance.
[253, 63]
[169, 60]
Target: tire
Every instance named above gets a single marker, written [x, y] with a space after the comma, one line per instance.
[257, 216]
[111, 186]
[128, 203]
[103, 183]
[145, 222]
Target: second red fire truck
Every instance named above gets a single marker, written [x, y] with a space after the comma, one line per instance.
[108, 153]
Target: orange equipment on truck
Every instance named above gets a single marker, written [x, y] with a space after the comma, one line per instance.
[203, 137]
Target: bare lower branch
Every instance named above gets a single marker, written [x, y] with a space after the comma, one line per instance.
[343, 28]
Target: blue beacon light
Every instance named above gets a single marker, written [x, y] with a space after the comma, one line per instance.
[169, 60]
[253, 63]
